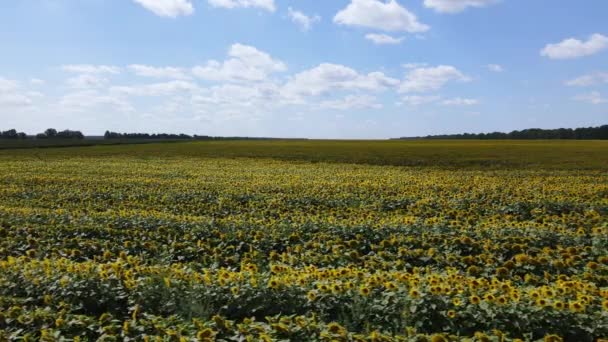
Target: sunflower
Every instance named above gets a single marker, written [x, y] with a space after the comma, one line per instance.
[281, 328]
[364, 291]
[59, 322]
[552, 338]
[576, 307]
[542, 302]
[390, 286]
[502, 272]
[336, 329]
[311, 295]
[559, 305]
[439, 338]
[205, 334]
[475, 299]
[415, 293]
[605, 305]
[451, 314]
[273, 283]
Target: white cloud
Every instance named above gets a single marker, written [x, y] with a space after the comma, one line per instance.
[87, 99]
[417, 100]
[414, 65]
[573, 48]
[155, 89]
[381, 15]
[267, 5]
[459, 101]
[85, 81]
[11, 94]
[14, 100]
[352, 102]
[158, 72]
[383, 39]
[593, 97]
[327, 77]
[37, 82]
[91, 69]
[431, 78]
[304, 21]
[7, 85]
[588, 80]
[456, 6]
[495, 67]
[168, 8]
[247, 64]
[241, 95]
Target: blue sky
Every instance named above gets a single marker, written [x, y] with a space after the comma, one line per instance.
[301, 68]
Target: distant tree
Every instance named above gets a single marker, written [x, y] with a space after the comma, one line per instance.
[50, 133]
[12, 134]
[146, 136]
[68, 134]
[586, 133]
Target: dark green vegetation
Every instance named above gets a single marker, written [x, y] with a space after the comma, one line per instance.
[554, 154]
[10, 144]
[586, 133]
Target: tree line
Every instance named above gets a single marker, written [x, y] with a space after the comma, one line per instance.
[584, 133]
[50, 133]
[165, 136]
[146, 136]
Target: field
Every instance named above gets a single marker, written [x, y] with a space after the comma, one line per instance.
[49, 143]
[305, 241]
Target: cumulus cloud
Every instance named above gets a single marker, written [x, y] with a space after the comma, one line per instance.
[12, 95]
[459, 101]
[304, 21]
[87, 99]
[414, 65]
[352, 102]
[593, 97]
[382, 39]
[495, 67]
[589, 80]
[155, 89]
[267, 5]
[573, 48]
[85, 81]
[431, 78]
[91, 69]
[456, 6]
[158, 72]
[417, 100]
[381, 15]
[246, 64]
[168, 8]
[37, 82]
[14, 100]
[328, 77]
[7, 85]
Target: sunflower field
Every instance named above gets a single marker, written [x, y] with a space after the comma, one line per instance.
[158, 247]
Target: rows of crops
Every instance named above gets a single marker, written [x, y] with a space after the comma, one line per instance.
[187, 249]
